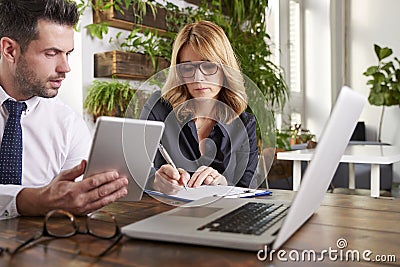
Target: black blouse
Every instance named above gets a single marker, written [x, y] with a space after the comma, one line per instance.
[231, 149]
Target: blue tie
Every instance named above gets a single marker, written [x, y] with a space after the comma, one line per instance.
[11, 144]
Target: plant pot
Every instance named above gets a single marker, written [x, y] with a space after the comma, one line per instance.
[126, 19]
[126, 65]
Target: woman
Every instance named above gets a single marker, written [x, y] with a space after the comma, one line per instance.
[207, 133]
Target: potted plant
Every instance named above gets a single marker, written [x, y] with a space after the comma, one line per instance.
[139, 56]
[110, 98]
[130, 60]
[384, 82]
[123, 14]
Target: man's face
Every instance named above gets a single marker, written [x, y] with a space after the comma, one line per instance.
[42, 67]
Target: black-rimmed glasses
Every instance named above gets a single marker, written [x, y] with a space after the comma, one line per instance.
[188, 69]
[62, 224]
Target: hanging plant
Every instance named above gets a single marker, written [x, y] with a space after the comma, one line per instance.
[110, 98]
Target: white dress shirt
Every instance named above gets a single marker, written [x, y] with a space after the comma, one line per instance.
[54, 137]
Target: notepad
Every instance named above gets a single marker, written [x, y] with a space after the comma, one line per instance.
[210, 190]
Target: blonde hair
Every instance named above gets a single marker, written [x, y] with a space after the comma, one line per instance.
[211, 43]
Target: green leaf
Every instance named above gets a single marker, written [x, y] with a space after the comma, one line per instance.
[376, 99]
[379, 77]
[384, 53]
[377, 49]
[387, 67]
[97, 30]
[371, 70]
[396, 96]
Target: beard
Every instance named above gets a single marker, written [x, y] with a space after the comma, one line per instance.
[28, 83]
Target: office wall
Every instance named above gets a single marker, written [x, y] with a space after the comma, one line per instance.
[374, 22]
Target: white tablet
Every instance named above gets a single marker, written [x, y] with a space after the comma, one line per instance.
[128, 146]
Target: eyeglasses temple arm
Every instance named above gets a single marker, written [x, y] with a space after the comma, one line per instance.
[26, 243]
[111, 246]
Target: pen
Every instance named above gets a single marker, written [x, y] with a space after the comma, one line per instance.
[264, 193]
[168, 159]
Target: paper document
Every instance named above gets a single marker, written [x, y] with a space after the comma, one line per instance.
[210, 190]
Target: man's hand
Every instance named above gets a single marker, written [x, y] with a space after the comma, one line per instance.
[79, 198]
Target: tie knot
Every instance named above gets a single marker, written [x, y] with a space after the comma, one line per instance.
[14, 108]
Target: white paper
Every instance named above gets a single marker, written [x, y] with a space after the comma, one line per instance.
[208, 191]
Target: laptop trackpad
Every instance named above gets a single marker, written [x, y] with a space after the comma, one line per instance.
[198, 212]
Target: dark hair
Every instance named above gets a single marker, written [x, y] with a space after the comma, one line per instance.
[19, 18]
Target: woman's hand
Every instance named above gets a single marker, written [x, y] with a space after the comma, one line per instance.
[208, 176]
[169, 180]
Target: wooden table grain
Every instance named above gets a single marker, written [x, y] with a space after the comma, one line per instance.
[363, 223]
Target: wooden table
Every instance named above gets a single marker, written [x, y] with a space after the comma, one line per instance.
[375, 155]
[365, 224]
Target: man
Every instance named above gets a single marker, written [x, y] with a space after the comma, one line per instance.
[36, 39]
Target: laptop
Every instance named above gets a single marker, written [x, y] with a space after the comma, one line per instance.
[128, 146]
[212, 221]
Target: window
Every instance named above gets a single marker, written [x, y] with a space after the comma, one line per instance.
[286, 34]
[294, 46]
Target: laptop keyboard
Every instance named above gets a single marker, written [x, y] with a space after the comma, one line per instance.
[252, 218]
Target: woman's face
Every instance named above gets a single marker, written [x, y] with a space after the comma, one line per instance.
[202, 78]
